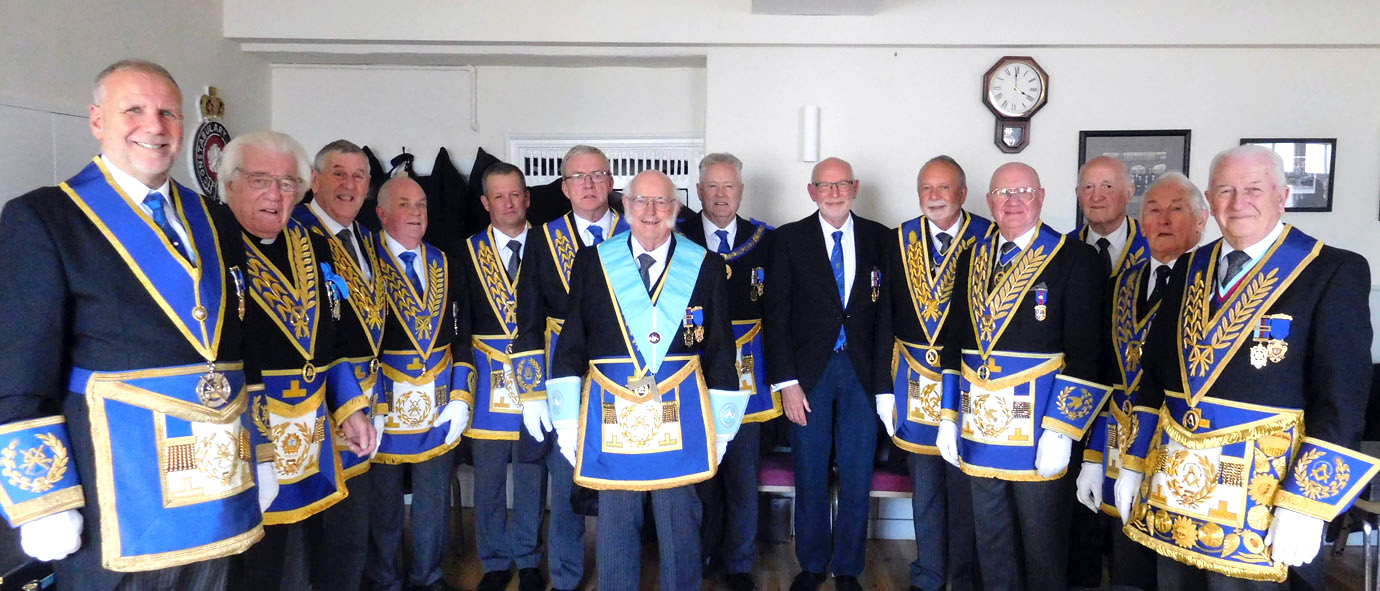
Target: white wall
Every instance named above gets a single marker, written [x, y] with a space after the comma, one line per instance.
[53, 50]
[426, 108]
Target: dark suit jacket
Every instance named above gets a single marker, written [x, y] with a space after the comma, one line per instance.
[740, 304]
[1074, 322]
[68, 299]
[803, 308]
[1326, 371]
[591, 329]
[540, 291]
[454, 329]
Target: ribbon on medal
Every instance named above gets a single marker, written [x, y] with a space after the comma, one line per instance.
[1269, 335]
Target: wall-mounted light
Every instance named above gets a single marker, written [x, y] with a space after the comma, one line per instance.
[809, 133]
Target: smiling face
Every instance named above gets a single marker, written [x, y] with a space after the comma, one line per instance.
[833, 188]
[1170, 224]
[402, 211]
[506, 200]
[1103, 193]
[651, 204]
[589, 198]
[340, 188]
[1013, 214]
[1246, 198]
[139, 124]
[261, 212]
[721, 192]
[941, 193]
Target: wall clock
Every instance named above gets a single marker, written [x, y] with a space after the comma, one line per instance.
[1014, 89]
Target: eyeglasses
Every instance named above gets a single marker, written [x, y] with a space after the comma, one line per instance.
[659, 202]
[1026, 194]
[262, 180]
[596, 177]
[837, 186]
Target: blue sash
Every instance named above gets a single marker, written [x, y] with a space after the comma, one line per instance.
[930, 288]
[192, 298]
[1128, 328]
[420, 319]
[366, 297]
[641, 314]
[1136, 252]
[561, 238]
[290, 302]
[499, 291]
[992, 309]
[1206, 340]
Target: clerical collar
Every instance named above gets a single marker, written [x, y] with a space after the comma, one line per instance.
[133, 187]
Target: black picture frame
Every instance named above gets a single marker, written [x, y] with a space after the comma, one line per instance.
[1147, 153]
[1305, 159]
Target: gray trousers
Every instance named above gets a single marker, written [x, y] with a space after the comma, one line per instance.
[500, 545]
[565, 538]
[341, 548]
[619, 547]
[729, 526]
[208, 575]
[429, 523]
[1028, 522]
[942, 507]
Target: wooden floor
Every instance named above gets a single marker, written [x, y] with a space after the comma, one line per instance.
[887, 565]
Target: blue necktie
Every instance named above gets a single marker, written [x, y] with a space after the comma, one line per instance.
[836, 261]
[597, 233]
[407, 258]
[723, 241]
[155, 203]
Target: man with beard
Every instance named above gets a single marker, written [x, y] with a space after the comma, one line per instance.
[729, 525]
[643, 391]
[294, 342]
[541, 308]
[921, 267]
[122, 349]
[339, 182]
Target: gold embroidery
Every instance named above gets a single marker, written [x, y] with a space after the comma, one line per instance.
[1319, 479]
[289, 302]
[1075, 407]
[364, 296]
[993, 308]
[26, 475]
[1237, 318]
[1191, 482]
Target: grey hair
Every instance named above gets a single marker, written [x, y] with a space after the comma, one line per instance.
[1182, 182]
[721, 158]
[1249, 151]
[1125, 175]
[675, 211]
[946, 159]
[335, 147]
[502, 168]
[135, 64]
[579, 150]
[266, 140]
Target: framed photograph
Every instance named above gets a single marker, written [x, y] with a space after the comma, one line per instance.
[1308, 167]
[1147, 153]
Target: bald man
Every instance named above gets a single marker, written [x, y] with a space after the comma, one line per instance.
[1105, 188]
[427, 380]
[1021, 381]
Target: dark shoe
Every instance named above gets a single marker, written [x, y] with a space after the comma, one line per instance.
[495, 580]
[740, 582]
[711, 565]
[530, 579]
[847, 584]
[439, 585]
[807, 581]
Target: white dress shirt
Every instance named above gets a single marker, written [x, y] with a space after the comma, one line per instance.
[849, 264]
[659, 253]
[935, 231]
[137, 191]
[582, 226]
[501, 241]
[1022, 242]
[1119, 238]
[1255, 251]
[334, 228]
[711, 240]
[396, 248]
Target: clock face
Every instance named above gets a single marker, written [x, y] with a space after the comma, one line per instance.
[1015, 89]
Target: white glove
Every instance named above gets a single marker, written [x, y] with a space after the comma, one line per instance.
[947, 441]
[536, 418]
[1089, 486]
[52, 537]
[1294, 538]
[1052, 454]
[1126, 488]
[886, 411]
[379, 420]
[458, 413]
[268, 484]
[565, 438]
